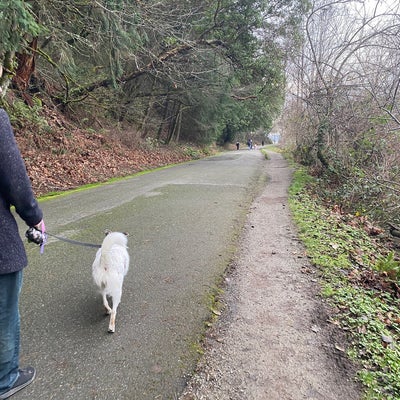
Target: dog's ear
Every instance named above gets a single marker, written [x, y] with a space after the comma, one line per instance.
[106, 232]
[126, 233]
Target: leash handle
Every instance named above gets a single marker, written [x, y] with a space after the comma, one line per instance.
[44, 237]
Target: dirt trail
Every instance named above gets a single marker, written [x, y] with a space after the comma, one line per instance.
[273, 341]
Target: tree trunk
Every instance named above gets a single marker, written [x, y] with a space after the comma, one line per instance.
[142, 128]
[174, 122]
[178, 124]
[26, 67]
[7, 72]
[322, 130]
[165, 116]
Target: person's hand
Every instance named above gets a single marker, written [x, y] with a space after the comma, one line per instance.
[37, 233]
[40, 226]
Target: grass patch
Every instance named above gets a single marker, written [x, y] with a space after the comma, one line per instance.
[355, 282]
[265, 153]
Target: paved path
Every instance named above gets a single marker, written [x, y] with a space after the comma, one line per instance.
[183, 223]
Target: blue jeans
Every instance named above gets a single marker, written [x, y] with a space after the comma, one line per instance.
[10, 288]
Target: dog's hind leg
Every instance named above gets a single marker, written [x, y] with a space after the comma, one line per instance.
[106, 305]
[116, 300]
[111, 326]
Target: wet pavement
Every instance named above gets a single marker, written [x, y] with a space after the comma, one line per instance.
[183, 223]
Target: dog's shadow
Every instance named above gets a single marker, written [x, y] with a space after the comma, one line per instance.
[88, 314]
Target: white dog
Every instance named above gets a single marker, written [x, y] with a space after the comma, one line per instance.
[109, 269]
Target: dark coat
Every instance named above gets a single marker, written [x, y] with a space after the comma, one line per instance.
[16, 190]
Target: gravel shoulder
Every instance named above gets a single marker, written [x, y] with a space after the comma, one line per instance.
[273, 341]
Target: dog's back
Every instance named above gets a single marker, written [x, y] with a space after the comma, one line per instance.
[112, 262]
[109, 268]
[114, 238]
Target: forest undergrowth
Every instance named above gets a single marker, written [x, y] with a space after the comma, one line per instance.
[60, 155]
[359, 273]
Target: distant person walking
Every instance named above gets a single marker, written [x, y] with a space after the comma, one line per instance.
[237, 145]
[16, 190]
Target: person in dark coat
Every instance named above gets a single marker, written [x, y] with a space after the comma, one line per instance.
[15, 190]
